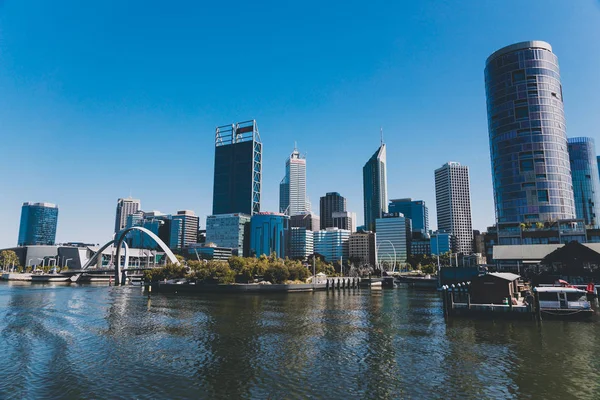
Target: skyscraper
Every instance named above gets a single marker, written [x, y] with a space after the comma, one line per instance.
[238, 169]
[331, 203]
[393, 239]
[528, 140]
[586, 181]
[125, 207]
[189, 226]
[375, 187]
[453, 204]
[416, 210]
[292, 189]
[38, 224]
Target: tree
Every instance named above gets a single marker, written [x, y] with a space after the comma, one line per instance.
[8, 258]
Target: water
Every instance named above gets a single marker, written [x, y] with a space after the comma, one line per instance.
[115, 342]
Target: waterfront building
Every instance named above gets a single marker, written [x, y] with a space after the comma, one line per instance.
[441, 242]
[169, 230]
[420, 246]
[332, 244]
[189, 226]
[238, 169]
[38, 224]
[309, 221]
[301, 243]
[416, 210]
[528, 141]
[361, 249]
[269, 233]
[229, 231]
[344, 220]
[292, 189]
[453, 204]
[125, 207]
[393, 238]
[330, 203]
[210, 251]
[586, 181]
[375, 187]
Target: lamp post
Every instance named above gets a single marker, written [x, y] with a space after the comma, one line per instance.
[43, 262]
[29, 262]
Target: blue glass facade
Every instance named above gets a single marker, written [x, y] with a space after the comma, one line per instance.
[238, 169]
[586, 181]
[38, 224]
[375, 188]
[269, 232]
[416, 210]
[528, 142]
[441, 242]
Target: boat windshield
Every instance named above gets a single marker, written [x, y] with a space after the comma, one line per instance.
[576, 297]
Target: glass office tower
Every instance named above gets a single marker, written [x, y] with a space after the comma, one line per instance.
[38, 224]
[586, 182]
[238, 169]
[375, 188]
[292, 189]
[528, 141]
[269, 232]
[416, 210]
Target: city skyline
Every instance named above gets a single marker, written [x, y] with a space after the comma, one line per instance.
[44, 104]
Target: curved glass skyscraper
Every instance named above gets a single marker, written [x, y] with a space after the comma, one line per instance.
[586, 183]
[528, 142]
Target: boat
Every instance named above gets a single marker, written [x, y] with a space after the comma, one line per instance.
[419, 282]
[49, 277]
[563, 302]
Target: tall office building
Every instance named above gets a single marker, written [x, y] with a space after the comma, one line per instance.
[38, 224]
[361, 249]
[310, 221]
[230, 231]
[301, 243]
[393, 239]
[269, 232]
[375, 187]
[586, 181]
[344, 220]
[125, 207]
[332, 244]
[330, 203]
[416, 210]
[453, 204]
[189, 227]
[292, 189]
[528, 140]
[238, 169]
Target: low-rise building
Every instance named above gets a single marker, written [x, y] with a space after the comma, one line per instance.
[301, 243]
[361, 248]
[332, 244]
[229, 231]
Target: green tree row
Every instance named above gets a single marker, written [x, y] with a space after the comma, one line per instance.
[240, 270]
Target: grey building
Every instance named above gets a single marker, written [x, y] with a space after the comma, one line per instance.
[189, 226]
[330, 203]
[38, 224]
[393, 239]
[344, 220]
[453, 204]
[125, 208]
[375, 187]
[586, 181]
[362, 249]
[528, 141]
[309, 221]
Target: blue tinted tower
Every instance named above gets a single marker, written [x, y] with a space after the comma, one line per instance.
[38, 224]
[528, 141]
[586, 181]
[416, 210]
[375, 187]
[269, 232]
[238, 169]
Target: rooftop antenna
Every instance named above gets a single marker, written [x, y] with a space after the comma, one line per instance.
[381, 133]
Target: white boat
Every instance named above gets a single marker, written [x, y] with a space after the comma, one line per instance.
[563, 302]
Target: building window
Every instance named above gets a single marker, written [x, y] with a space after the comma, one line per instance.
[518, 76]
[526, 165]
[521, 113]
[543, 195]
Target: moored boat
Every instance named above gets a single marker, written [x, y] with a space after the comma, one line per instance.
[560, 302]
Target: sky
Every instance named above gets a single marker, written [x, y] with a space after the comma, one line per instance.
[103, 99]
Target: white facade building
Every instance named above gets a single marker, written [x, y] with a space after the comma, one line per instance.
[453, 204]
[292, 189]
[301, 243]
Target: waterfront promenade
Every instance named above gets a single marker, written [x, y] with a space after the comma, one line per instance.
[82, 341]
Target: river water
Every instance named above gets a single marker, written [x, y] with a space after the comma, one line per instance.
[116, 342]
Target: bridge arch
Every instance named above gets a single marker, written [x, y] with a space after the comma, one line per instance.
[118, 244]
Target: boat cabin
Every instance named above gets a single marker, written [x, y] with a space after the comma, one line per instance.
[558, 297]
[494, 288]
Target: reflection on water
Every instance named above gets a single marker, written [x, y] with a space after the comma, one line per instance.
[116, 342]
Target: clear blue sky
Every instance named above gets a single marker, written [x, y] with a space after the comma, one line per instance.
[101, 98]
